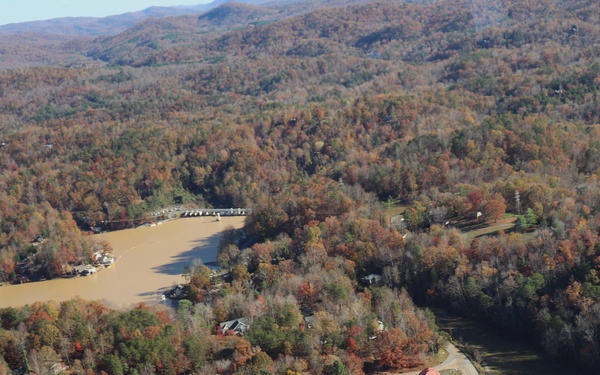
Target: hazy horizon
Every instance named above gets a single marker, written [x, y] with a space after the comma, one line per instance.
[18, 11]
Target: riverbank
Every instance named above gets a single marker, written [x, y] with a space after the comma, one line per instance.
[150, 260]
[497, 354]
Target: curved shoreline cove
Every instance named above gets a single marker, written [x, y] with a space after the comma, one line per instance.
[149, 261]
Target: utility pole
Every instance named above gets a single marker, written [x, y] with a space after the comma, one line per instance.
[517, 202]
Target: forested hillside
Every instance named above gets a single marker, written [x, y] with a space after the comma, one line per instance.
[450, 108]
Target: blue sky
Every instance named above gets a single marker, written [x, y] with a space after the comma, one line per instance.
[13, 11]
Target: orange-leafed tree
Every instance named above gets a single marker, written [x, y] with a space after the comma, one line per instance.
[495, 208]
[397, 350]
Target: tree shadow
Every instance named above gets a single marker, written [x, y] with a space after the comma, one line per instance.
[157, 297]
[156, 293]
[205, 249]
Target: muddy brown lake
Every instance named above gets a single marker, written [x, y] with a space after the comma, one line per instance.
[150, 260]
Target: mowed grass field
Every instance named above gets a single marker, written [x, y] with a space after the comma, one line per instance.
[395, 210]
[490, 229]
[470, 228]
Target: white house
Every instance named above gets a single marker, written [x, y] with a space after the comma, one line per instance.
[106, 260]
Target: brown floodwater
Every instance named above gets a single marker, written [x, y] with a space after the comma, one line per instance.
[150, 260]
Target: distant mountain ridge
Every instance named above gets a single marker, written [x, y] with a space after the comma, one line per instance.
[232, 14]
[140, 38]
[116, 24]
[97, 26]
[179, 38]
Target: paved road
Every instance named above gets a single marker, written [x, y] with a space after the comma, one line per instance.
[456, 361]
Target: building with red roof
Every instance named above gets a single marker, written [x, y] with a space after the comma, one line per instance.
[429, 371]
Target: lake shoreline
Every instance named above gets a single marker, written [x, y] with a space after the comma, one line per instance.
[150, 260]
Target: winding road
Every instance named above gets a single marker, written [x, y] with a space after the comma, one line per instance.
[456, 361]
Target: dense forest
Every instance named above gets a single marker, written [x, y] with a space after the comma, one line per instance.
[317, 121]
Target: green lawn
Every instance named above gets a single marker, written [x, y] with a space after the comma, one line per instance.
[492, 229]
[440, 357]
[451, 372]
[394, 210]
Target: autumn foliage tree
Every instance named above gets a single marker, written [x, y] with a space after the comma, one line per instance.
[495, 208]
[398, 351]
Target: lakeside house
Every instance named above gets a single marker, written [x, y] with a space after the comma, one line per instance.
[177, 292]
[106, 260]
[85, 270]
[103, 259]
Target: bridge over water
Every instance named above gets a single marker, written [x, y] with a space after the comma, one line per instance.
[174, 212]
[217, 212]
